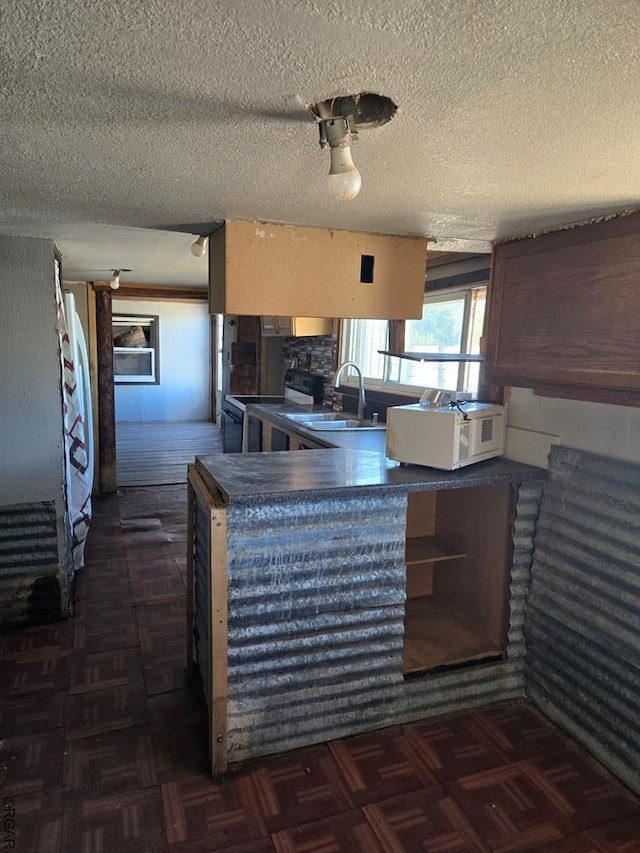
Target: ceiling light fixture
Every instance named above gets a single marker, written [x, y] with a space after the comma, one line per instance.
[344, 180]
[339, 120]
[199, 247]
[114, 284]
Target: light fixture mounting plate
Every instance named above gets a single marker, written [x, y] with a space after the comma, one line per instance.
[363, 110]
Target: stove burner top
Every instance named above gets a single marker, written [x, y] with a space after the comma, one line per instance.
[259, 398]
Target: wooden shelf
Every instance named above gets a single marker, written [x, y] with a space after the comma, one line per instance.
[430, 549]
[435, 637]
[434, 356]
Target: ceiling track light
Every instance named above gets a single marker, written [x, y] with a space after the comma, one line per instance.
[344, 180]
[199, 246]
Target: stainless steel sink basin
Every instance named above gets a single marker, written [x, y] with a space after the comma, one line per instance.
[342, 424]
[307, 417]
[329, 421]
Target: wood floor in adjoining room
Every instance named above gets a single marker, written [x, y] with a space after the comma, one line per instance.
[103, 743]
[152, 453]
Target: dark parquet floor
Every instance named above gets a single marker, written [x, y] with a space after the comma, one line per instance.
[103, 744]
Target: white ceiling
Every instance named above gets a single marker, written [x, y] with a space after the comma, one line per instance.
[123, 122]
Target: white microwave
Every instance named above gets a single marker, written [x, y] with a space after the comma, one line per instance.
[445, 437]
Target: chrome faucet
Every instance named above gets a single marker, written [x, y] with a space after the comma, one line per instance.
[362, 404]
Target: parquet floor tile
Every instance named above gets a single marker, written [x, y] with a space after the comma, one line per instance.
[145, 568]
[165, 672]
[38, 670]
[122, 823]
[26, 713]
[581, 842]
[96, 637]
[160, 610]
[453, 746]
[103, 587]
[179, 729]
[518, 731]
[379, 765]
[31, 769]
[41, 833]
[103, 670]
[507, 808]
[104, 745]
[582, 793]
[416, 822]
[348, 832]
[222, 813]
[300, 787]
[98, 711]
[110, 762]
[158, 588]
[17, 644]
[618, 836]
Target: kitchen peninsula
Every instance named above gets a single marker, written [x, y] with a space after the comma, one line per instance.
[335, 592]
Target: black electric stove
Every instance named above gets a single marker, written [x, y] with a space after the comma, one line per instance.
[242, 401]
[299, 388]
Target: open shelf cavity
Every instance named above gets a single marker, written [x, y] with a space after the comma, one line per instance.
[457, 559]
[436, 636]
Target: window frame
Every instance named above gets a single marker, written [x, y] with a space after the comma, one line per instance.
[389, 386]
[120, 321]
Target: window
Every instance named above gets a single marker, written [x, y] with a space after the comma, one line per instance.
[451, 325]
[135, 349]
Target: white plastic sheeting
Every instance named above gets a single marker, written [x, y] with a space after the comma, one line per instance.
[77, 423]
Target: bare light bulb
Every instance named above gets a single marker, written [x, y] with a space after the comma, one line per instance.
[199, 247]
[344, 178]
[114, 284]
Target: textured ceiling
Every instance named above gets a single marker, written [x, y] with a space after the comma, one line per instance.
[123, 122]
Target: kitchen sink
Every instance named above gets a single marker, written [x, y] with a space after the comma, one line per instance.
[341, 424]
[308, 417]
[329, 421]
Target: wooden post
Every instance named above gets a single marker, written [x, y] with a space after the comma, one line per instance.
[218, 654]
[216, 615]
[107, 477]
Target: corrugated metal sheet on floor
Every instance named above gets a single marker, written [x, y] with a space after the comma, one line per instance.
[344, 619]
[33, 587]
[583, 622]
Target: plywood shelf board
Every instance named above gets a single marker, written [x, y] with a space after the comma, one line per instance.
[429, 549]
[434, 356]
[314, 272]
[436, 636]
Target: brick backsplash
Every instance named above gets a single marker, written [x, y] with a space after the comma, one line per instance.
[318, 354]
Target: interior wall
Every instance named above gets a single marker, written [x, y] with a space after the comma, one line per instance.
[184, 365]
[537, 422]
[31, 431]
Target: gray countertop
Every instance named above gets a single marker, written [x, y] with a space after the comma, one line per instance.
[351, 462]
[251, 478]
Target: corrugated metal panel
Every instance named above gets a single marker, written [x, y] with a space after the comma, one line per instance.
[293, 657]
[342, 624]
[583, 622]
[33, 587]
